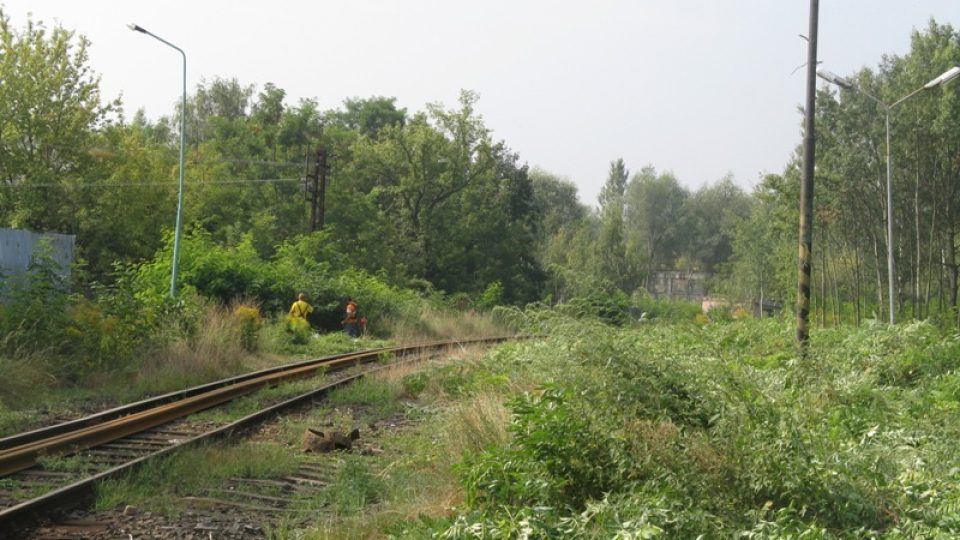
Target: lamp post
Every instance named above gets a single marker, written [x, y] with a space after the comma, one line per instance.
[847, 85]
[183, 137]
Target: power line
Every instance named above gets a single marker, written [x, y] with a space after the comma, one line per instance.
[149, 184]
[114, 153]
[257, 162]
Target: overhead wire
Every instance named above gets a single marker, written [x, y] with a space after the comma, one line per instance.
[237, 181]
[115, 153]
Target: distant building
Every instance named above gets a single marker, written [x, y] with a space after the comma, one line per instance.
[17, 248]
[677, 285]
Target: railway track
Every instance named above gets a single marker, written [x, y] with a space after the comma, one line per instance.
[57, 467]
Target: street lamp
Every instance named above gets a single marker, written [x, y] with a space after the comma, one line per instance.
[847, 85]
[183, 136]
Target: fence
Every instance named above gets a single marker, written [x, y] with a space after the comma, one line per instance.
[17, 248]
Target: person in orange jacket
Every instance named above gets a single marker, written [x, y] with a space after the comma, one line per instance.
[351, 321]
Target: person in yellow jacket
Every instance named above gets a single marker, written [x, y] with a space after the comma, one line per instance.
[301, 309]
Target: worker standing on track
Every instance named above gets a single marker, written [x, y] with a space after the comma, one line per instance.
[350, 321]
[301, 309]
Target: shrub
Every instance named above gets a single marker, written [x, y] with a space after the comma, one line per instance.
[298, 329]
[33, 316]
[492, 296]
[720, 430]
[248, 322]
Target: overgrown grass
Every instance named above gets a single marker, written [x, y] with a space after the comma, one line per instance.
[27, 377]
[159, 484]
[423, 322]
[723, 431]
[413, 472]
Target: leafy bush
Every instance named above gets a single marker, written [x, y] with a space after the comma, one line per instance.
[610, 306]
[654, 308]
[33, 315]
[492, 296]
[307, 264]
[719, 430]
[249, 323]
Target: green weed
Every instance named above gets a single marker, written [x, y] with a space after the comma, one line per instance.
[158, 484]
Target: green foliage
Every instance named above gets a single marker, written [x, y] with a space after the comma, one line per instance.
[161, 483]
[608, 305]
[249, 322]
[33, 316]
[492, 296]
[49, 106]
[414, 384]
[306, 263]
[685, 430]
[656, 308]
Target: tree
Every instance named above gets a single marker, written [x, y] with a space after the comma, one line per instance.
[416, 168]
[557, 203]
[49, 108]
[752, 270]
[611, 251]
[215, 108]
[709, 219]
[653, 213]
[369, 116]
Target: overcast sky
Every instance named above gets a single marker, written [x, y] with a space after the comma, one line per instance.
[701, 88]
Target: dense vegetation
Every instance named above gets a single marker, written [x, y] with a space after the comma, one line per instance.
[686, 431]
[662, 430]
[429, 199]
[618, 426]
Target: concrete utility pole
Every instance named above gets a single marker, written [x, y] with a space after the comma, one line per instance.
[806, 187]
[324, 169]
[318, 190]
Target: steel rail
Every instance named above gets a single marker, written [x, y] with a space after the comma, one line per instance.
[25, 455]
[26, 513]
[130, 408]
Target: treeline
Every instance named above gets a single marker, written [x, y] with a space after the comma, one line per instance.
[430, 201]
[850, 240]
[424, 198]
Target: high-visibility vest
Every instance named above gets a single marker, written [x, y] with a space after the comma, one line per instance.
[300, 309]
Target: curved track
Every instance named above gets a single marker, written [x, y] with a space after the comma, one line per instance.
[38, 477]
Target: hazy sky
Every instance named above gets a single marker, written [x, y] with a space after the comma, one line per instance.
[698, 87]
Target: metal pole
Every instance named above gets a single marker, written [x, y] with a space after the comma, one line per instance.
[183, 139]
[890, 273]
[183, 145]
[943, 78]
[806, 188]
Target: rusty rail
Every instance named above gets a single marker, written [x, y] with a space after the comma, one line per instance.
[111, 425]
[22, 456]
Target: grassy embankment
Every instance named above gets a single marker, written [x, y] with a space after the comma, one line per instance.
[90, 359]
[662, 430]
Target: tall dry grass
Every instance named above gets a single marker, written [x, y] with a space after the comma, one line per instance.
[214, 350]
[429, 323]
[473, 424]
[24, 379]
[466, 423]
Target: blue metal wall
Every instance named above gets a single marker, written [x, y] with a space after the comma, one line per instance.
[17, 248]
